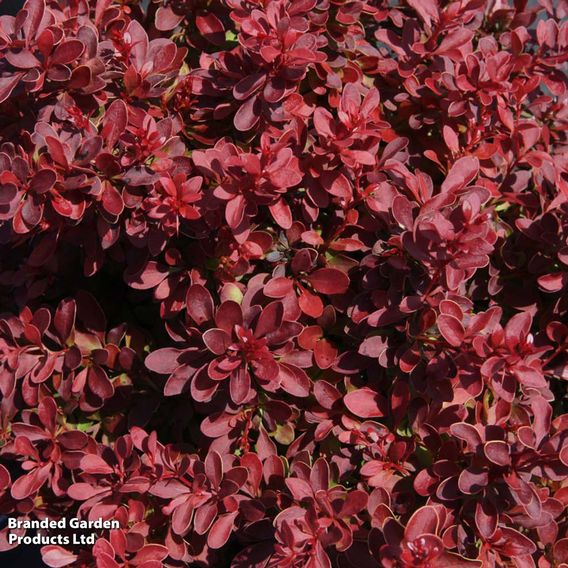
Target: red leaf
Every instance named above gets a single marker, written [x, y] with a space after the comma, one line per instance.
[216, 340]
[281, 213]
[561, 551]
[451, 139]
[467, 433]
[486, 519]
[202, 387]
[163, 361]
[373, 346]
[199, 304]
[204, 517]
[325, 354]
[94, 464]
[278, 287]
[365, 403]
[239, 385]
[497, 452]
[214, 468]
[428, 10]
[248, 115]
[166, 19]
[28, 484]
[64, 319]
[553, 282]
[8, 84]
[463, 171]
[235, 211]
[323, 122]
[229, 315]
[84, 491]
[454, 40]
[7, 193]
[43, 181]
[513, 543]
[169, 488]
[57, 151]
[247, 86]
[35, 11]
[221, 530]
[148, 277]
[299, 488]
[319, 476]
[472, 480]
[181, 519]
[67, 52]
[337, 184]
[211, 28]
[56, 556]
[23, 59]
[310, 304]
[355, 502]
[451, 329]
[112, 200]
[270, 319]
[327, 395]
[329, 281]
[294, 380]
[178, 380]
[517, 328]
[423, 521]
[114, 122]
[150, 552]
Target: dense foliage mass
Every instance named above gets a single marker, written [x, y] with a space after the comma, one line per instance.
[284, 282]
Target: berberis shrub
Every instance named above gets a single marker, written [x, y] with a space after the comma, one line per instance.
[284, 283]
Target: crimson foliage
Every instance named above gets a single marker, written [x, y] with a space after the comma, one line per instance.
[284, 282]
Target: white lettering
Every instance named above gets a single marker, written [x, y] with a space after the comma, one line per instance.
[51, 525]
[96, 524]
[84, 539]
